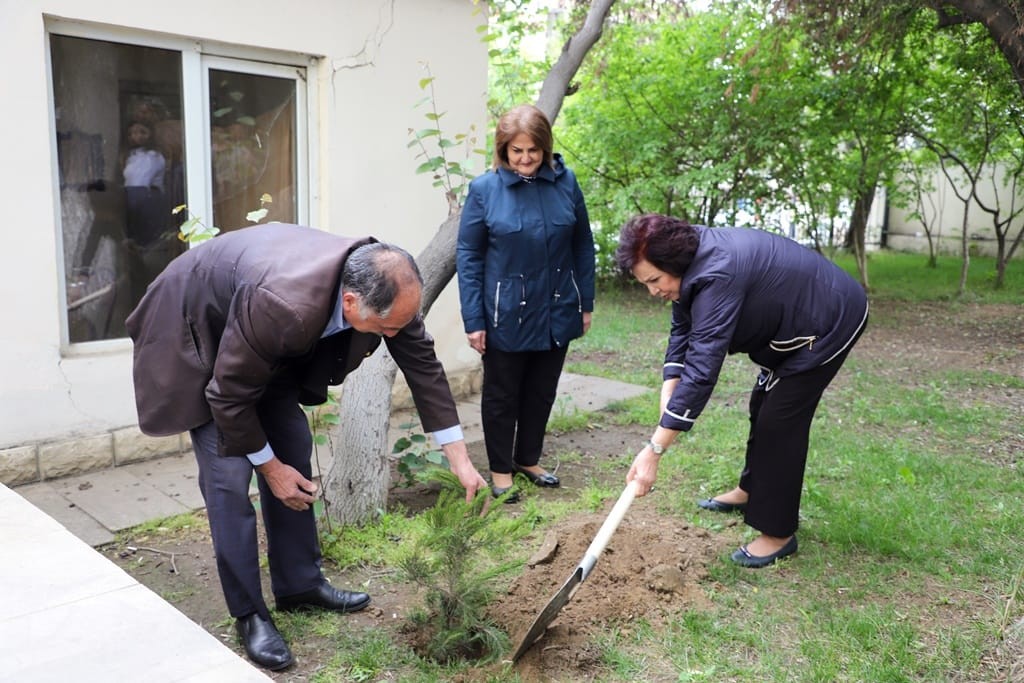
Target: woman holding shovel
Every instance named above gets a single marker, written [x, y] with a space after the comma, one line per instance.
[795, 313]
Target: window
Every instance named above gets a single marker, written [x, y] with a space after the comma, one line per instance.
[143, 126]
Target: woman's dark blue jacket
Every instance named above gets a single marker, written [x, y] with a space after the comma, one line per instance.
[525, 259]
[749, 291]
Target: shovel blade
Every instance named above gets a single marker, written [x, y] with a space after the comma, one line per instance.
[550, 611]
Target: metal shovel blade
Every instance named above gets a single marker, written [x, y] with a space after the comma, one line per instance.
[583, 569]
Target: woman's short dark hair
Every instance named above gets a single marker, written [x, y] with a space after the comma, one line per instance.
[528, 119]
[665, 242]
[377, 272]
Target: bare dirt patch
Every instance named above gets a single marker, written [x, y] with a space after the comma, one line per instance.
[655, 566]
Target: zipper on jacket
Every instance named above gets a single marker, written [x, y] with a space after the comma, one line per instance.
[522, 299]
[579, 297]
[497, 302]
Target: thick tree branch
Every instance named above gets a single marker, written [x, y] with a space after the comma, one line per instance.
[1004, 21]
[557, 84]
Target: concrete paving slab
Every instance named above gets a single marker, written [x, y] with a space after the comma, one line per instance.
[175, 476]
[588, 394]
[40, 566]
[118, 499]
[45, 497]
[76, 616]
[124, 635]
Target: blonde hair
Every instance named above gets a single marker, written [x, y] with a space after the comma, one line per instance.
[528, 119]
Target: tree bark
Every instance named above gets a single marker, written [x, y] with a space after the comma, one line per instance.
[356, 485]
[858, 231]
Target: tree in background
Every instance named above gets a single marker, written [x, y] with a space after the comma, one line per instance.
[730, 117]
[950, 23]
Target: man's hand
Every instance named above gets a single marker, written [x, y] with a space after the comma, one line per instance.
[458, 459]
[288, 486]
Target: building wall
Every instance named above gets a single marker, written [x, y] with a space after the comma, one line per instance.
[367, 58]
[943, 213]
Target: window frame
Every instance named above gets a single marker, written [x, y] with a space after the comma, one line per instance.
[197, 58]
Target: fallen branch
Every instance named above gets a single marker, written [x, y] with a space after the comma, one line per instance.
[136, 548]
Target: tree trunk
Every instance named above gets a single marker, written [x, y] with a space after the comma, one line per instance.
[965, 251]
[858, 232]
[356, 485]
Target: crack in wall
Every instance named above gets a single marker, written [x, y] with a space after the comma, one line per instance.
[372, 44]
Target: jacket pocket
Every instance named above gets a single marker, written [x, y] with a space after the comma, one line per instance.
[195, 342]
[509, 300]
[788, 345]
[506, 226]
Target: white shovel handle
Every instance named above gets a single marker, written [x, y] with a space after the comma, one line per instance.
[604, 534]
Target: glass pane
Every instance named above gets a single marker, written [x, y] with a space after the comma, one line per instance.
[252, 141]
[121, 166]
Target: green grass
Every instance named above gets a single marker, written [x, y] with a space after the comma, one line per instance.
[907, 277]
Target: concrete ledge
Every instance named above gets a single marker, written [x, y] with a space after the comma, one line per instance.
[18, 465]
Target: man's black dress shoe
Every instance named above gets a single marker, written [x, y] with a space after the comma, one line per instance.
[743, 558]
[546, 479]
[324, 596]
[719, 506]
[263, 643]
[497, 492]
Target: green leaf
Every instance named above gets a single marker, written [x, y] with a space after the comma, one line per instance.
[424, 82]
[189, 226]
[432, 164]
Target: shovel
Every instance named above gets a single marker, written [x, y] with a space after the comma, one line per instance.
[581, 572]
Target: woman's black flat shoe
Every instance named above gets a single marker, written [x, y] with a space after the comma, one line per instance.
[513, 497]
[547, 479]
[743, 558]
[719, 506]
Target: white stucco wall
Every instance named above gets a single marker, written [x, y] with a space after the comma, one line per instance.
[943, 213]
[372, 53]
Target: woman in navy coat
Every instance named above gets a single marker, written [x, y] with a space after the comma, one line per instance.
[525, 263]
[794, 312]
